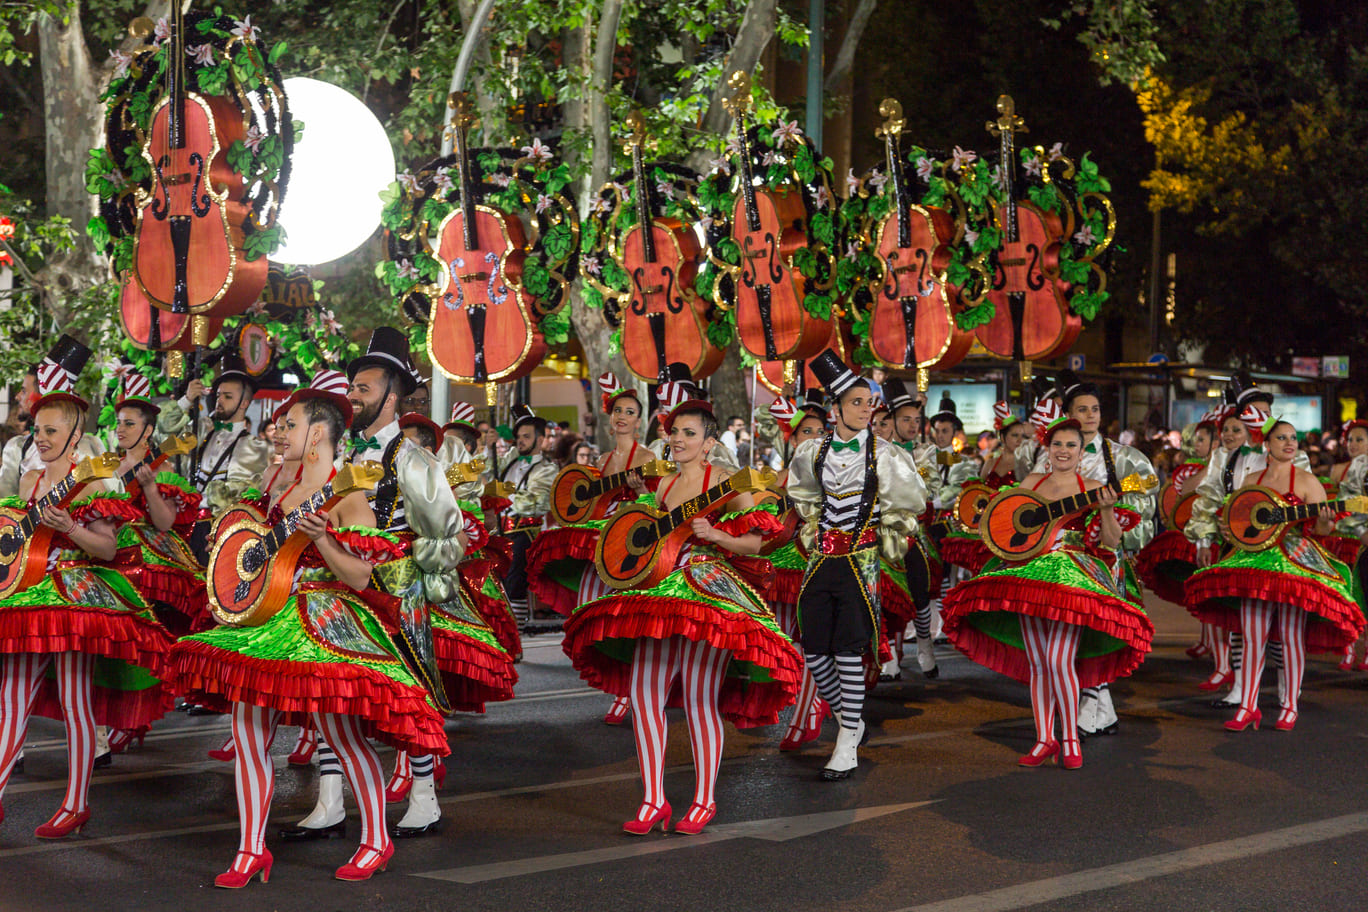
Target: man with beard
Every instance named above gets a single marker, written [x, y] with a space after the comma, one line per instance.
[530, 473]
[231, 458]
[456, 656]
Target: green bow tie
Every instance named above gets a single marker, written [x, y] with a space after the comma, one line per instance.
[909, 445]
[223, 425]
[524, 459]
[1090, 448]
[361, 444]
[853, 445]
[1246, 450]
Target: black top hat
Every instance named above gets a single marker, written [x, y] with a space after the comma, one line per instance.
[812, 401]
[57, 373]
[833, 374]
[1045, 388]
[523, 414]
[896, 394]
[388, 348]
[678, 372]
[232, 367]
[1246, 391]
[946, 412]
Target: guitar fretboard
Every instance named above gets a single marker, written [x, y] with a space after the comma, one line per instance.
[691, 508]
[29, 524]
[1298, 512]
[153, 452]
[282, 530]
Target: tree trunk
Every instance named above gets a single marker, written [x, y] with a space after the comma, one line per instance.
[73, 118]
[756, 31]
[845, 57]
[600, 82]
[493, 119]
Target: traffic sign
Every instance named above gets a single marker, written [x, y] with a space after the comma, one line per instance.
[1076, 362]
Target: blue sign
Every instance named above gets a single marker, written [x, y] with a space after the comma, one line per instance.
[1076, 362]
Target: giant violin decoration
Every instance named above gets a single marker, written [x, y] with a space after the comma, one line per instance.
[769, 226]
[252, 566]
[663, 319]
[1254, 518]
[25, 542]
[483, 326]
[639, 546]
[580, 493]
[188, 256]
[912, 323]
[1018, 523]
[1031, 319]
[779, 376]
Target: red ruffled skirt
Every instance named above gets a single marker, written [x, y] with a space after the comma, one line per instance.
[1165, 564]
[560, 545]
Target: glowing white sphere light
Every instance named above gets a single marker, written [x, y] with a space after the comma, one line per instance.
[341, 164]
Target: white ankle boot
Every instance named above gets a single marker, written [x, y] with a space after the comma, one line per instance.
[423, 810]
[844, 758]
[926, 657]
[329, 810]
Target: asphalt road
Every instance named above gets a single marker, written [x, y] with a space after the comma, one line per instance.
[1172, 813]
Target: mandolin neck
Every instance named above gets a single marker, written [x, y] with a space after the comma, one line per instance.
[29, 524]
[1058, 509]
[690, 508]
[1299, 512]
[282, 530]
[152, 455]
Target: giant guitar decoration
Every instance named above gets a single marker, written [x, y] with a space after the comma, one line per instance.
[580, 492]
[639, 546]
[252, 566]
[1254, 518]
[1031, 318]
[912, 321]
[25, 542]
[1018, 523]
[769, 226]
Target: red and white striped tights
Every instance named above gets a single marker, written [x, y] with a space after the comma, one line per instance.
[591, 587]
[805, 709]
[700, 667]
[254, 729]
[1052, 648]
[23, 673]
[1256, 617]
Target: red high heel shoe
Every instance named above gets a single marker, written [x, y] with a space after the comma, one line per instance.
[1217, 681]
[811, 730]
[353, 871]
[638, 827]
[1042, 751]
[63, 824]
[1347, 662]
[1243, 719]
[304, 749]
[1071, 754]
[225, 754]
[1199, 651]
[1362, 664]
[234, 880]
[1287, 719]
[398, 787]
[617, 713]
[695, 819]
[122, 738]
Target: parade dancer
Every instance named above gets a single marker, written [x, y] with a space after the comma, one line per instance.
[1107, 461]
[704, 626]
[923, 567]
[530, 473]
[565, 554]
[325, 655]
[1354, 483]
[1295, 584]
[798, 423]
[83, 613]
[1079, 621]
[859, 499]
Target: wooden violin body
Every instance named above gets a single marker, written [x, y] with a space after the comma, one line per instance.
[188, 255]
[25, 543]
[151, 328]
[663, 319]
[1029, 268]
[482, 326]
[771, 322]
[775, 374]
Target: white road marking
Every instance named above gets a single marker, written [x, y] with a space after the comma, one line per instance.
[1141, 869]
[777, 829]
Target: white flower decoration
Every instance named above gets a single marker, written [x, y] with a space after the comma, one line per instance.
[203, 54]
[243, 28]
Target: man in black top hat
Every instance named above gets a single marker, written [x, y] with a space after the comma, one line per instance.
[530, 473]
[231, 458]
[858, 496]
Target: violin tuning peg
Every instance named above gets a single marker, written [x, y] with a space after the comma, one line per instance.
[141, 27]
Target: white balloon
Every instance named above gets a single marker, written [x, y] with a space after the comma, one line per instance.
[340, 166]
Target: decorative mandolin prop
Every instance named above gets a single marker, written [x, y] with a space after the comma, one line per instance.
[639, 546]
[1174, 507]
[645, 280]
[973, 500]
[579, 492]
[1256, 517]
[482, 246]
[1018, 523]
[252, 566]
[158, 453]
[25, 542]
